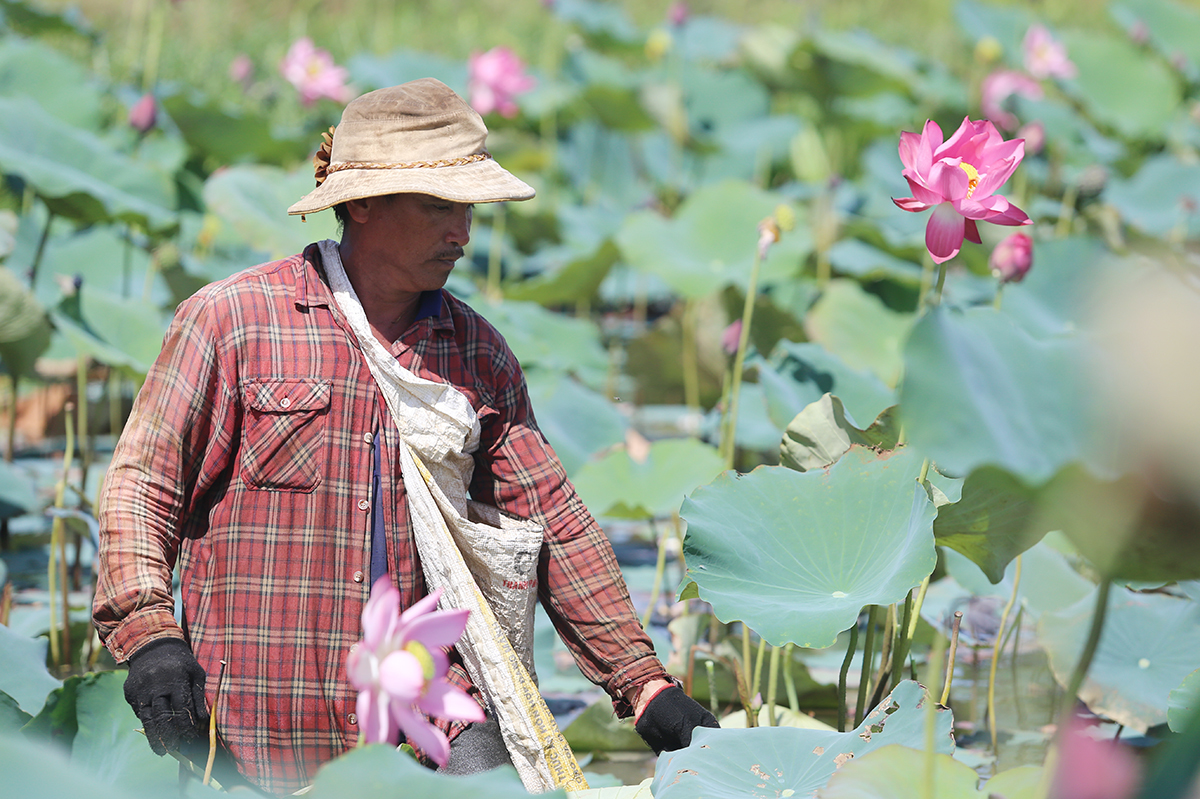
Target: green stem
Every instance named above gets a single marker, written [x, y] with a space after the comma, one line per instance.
[740, 360]
[772, 684]
[495, 250]
[789, 682]
[758, 665]
[10, 447]
[916, 614]
[710, 670]
[1013, 671]
[842, 676]
[950, 661]
[1066, 211]
[56, 532]
[677, 529]
[40, 251]
[690, 359]
[864, 680]
[744, 681]
[932, 676]
[997, 649]
[659, 567]
[927, 267]
[1089, 649]
[999, 296]
[154, 40]
[941, 283]
[900, 651]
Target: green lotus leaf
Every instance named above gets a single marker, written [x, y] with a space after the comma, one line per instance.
[653, 488]
[979, 390]
[42, 768]
[802, 372]
[1156, 198]
[229, 137]
[548, 340]
[1183, 703]
[575, 277]
[24, 329]
[796, 555]
[714, 39]
[383, 770]
[787, 761]
[900, 772]
[577, 421]
[639, 791]
[1123, 86]
[600, 20]
[1006, 24]
[253, 200]
[990, 524]
[598, 730]
[860, 329]
[30, 69]
[12, 718]
[108, 743]
[17, 495]
[1149, 644]
[370, 72]
[820, 434]
[710, 243]
[32, 20]
[1173, 28]
[125, 333]
[1053, 298]
[102, 258]
[76, 174]
[23, 673]
[864, 262]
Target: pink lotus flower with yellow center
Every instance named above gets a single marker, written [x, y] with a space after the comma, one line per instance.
[494, 79]
[314, 74]
[958, 178]
[1045, 56]
[399, 669]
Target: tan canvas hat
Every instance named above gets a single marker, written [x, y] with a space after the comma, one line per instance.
[419, 137]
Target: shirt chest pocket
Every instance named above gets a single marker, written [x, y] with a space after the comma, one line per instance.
[284, 433]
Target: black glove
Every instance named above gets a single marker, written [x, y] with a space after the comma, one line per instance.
[165, 688]
[669, 718]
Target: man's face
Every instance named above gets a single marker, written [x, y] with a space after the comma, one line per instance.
[414, 240]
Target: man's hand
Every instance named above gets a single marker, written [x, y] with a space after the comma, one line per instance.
[165, 688]
[666, 716]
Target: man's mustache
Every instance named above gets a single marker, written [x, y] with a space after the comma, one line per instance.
[450, 255]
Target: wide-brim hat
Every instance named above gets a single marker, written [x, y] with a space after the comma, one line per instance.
[416, 138]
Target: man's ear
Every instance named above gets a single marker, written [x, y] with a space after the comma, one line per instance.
[360, 209]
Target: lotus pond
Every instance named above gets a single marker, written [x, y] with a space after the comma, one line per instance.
[913, 522]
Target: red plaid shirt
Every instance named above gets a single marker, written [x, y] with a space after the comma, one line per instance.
[248, 457]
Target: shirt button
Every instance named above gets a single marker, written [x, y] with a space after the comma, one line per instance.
[363, 504]
[367, 437]
[352, 718]
[285, 402]
[358, 577]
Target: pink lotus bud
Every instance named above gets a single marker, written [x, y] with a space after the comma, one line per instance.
[1139, 33]
[143, 114]
[1034, 134]
[1012, 258]
[677, 14]
[731, 336]
[1093, 769]
[241, 69]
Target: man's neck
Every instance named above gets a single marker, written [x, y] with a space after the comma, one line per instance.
[389, 311]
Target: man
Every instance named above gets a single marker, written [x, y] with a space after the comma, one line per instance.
[260, 454]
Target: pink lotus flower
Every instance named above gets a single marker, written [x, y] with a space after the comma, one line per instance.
[1045, 56]
[678, 13]
[241, 69]
[1034, 134]
[998, 87]
[731, 337]
[958, 179]
[1012, 258]
[143, 114]
[1092, 769]
[494, 80]
[313, 73]
[399, 669]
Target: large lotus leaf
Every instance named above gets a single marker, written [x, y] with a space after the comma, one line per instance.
[598, 730]
[859, 328]
[1183, 703]
[801, 372]
[572, 276]
[596, 19]
[229, 137]
[253, 200]
[650, 488]
[548, 340]
[23, 674]
[1173, 28]
[747, 148]
[369, 71]
[719, 98]
[991, 524]
[78, 175]
[17, 495]
[980, 390]
[577, 421]
[1159, 198]
[30, 69]
[757, 427]
[1149, 644]
[820, 434]
[639, 791]
[710, 243]
[114, 330]
[108, 743]
[858, 48]
[865, 262]
[787, 761]
[899, 772]
[57, 721]
[24, 331]
[41, 768]
[1006, 24]
[1121, 85]
[99, 257]
[796, 555]
[383, 772]
[1053, 298]
[602, 163]
[12, 718]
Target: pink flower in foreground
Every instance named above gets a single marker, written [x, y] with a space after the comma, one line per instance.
[998, 87]
[1012, 258]
[958, 179]
[1045, 56]
[399, 669]
[494, 79]
[313, 73]
[1092, 769]
[143, 114]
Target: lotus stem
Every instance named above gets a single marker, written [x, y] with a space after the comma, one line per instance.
[677, 528]
[941, 283]
[789, 682]
[932, 676]
[660, 567]
[998, 298]
[10, 447]
[495, 249]
[744, 677]
[864, 680]
[927, 267]
[916, 614]
[1089, 649]
[212, 725]
[958, 615]
[1015, 652]
[772, 684]
[758, 665]
[900, 651]
[711, 672]
[996, 651]
[56, 531]
[5, 603]
[739, 361]
[37, 258]
[690, 359]
[842, 676]
[1066, 211]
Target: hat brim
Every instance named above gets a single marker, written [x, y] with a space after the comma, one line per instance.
[478, 182]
